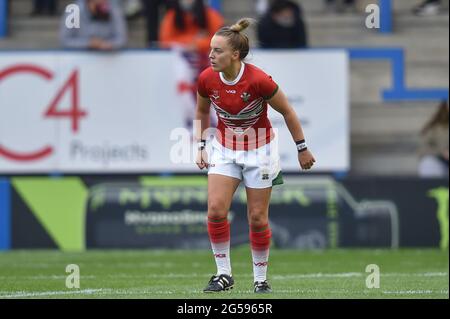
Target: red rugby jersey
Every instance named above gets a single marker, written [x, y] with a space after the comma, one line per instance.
[240, 105]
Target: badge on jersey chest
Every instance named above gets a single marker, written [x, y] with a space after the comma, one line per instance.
[245, 97]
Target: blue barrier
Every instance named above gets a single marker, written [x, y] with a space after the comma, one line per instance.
[3, 18]
[5, 214]
[398, 92]
[385, 16]
[216, 4]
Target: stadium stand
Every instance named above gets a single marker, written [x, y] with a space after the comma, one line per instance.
[384, 134]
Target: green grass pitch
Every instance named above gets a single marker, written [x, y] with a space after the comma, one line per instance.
[155, 274]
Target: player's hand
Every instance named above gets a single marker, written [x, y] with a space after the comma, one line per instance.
[306, 159]
[202, 159]
[106, 46]
[99, 44]
[95, 43]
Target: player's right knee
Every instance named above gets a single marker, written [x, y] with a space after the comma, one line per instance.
[217, 210]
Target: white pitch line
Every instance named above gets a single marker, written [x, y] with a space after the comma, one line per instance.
[106, 292]
[201, 275]
[433, 274]
[24, 294]
[45, 277]
[319, 275]
[415, 292]
[357, 274]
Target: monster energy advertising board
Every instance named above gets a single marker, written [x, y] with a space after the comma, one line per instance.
[311, 213]
[73, 213]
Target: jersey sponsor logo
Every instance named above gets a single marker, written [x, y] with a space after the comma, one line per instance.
[231, 91]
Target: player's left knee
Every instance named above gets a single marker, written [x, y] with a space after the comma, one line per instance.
[258, 219]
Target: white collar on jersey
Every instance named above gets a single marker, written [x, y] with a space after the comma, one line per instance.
[236, 80]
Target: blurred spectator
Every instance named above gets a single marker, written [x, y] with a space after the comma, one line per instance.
[282, 26]
[41, 7]
[102, 27]
[152, 10]
[340, 6]
[433, 150]
[428, 8]
[132, 8]
[187, 29]
[189, 24]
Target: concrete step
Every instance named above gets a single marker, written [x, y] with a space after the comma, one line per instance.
[43, 32]
[349, 29]
[431, 48]
[389, 123]
[310, 6]
[24, 7]
[376, 162]
[369, 78]
[385, 137]
[317, 6]
[433, 44]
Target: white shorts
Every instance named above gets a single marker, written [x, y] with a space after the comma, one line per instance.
[259, 168]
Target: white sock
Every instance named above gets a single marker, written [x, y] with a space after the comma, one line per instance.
[260, 263]
[221, 253]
